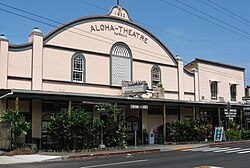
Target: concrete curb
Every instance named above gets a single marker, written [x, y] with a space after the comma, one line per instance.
[229, 143]
[110, 154]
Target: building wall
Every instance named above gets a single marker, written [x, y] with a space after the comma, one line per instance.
[2, 106]
[186, 113]
[57, 64]
[83, 37]
[188, 83]
[19, 64]
[19, 84]
[79, 88]
[55, 60]
[24, 105]
[172, 118]
[36, 118]
[170, 78]
[4, 46]
[189, 97]
[154, 121]
[171, 95]
[225, 76]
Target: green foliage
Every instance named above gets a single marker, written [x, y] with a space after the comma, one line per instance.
[72, 130]
[234, 132]
[245, 134]
[114, 126]
[78, 130]
[188, 131]
[18, 126]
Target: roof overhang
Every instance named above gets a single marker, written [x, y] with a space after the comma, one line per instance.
[84, 97]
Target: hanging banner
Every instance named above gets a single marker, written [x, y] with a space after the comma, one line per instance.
[218, 134]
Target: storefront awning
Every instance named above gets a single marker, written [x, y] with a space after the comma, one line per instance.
[99, 98]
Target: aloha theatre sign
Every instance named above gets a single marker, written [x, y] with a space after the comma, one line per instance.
[119, 31]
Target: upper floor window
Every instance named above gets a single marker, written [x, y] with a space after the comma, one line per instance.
[214, 89]
[233, 92]
[156, 75]
[121, 64]
[78, 68]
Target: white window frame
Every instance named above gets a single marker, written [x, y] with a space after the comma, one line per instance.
[214, 89]
[80, 69]
[120, 51]
[156, 80]
[231, 95]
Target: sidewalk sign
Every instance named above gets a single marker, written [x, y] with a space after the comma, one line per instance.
[218, 134]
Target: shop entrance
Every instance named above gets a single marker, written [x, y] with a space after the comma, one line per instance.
[133, 130]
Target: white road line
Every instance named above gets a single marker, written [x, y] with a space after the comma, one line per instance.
[205, 166]
[239, 150]
[113, 164]
[214, 149]
[223, 150]
[204, 149]
[244, 152]
[195, 149]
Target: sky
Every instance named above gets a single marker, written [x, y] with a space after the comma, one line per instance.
[216, 30]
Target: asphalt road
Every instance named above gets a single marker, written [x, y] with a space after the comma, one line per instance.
[226, 156]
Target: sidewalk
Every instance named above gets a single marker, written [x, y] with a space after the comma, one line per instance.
[56, 156]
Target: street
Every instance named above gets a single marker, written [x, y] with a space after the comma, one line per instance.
[226, 156]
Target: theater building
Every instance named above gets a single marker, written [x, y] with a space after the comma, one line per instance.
[83, 63]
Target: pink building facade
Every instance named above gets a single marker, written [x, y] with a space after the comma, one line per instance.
[83, 62]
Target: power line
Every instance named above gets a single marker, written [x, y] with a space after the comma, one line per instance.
[93, 5]
[181, 38]
[196, 43]
[229, 11]
[135, 50]
[210, 16]
[230, 15]
[205, 19]
[78, 33]
[164, 31]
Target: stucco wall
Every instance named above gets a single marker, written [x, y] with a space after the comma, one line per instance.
[19, 84]
[169, 95]
[188, 83]
[19, 63]
[36, 118]
[169, 78]
[154, 121]
[57, 64]
[225, 76]
[97, 69]
[80, 88]
[189, 97]
[88, 36]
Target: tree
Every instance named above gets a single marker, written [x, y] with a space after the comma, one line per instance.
[113, 125]
[18, 126]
